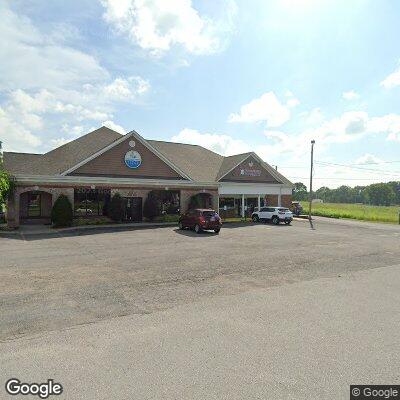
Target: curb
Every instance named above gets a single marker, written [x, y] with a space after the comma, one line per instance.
[85, 228]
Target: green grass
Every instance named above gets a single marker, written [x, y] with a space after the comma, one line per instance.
[91, 221]
[167, 218]
[236, 219]
[356, 211]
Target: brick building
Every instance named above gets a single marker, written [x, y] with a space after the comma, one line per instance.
[90, 169]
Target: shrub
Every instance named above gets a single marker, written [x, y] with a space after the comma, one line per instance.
[62, 214]
[167, 218]
[7, 186]
[151, 208]
[92, 221]
[195, 202]
[116, 209]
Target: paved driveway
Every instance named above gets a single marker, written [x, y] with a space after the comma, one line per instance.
[61, 281]
[256, 312]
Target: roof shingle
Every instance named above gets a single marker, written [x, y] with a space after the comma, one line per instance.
[199, 163]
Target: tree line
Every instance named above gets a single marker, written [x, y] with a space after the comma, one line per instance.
[379, 194]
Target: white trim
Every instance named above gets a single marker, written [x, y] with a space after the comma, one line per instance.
[232, 189]
[254, 184]
[264, 164]
[269, 169]
[93, 180]
[243, 160]
[120, 140]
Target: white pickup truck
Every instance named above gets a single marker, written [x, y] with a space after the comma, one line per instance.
[273, 214]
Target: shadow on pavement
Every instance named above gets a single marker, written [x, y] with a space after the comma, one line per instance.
[55, 234]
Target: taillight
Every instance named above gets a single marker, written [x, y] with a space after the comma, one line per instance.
[202, 220]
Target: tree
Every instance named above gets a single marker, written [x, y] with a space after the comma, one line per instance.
[396, 189]
[62, 214]
[300, 191]
[151, 207]
[7, 186]
[380, 194]
[343, 194]
[324, 193]
[117, 208]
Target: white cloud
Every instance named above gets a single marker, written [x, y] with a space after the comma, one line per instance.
[112, 125]
[291, 101]
[31, 59]
[349, 127]
[368, 159]
[350, 95]
[14, 135]
[392, 80]
[220, 143]
[266, 108]
[73, 132]
[158, 25]
[313, 117]
[47, 85]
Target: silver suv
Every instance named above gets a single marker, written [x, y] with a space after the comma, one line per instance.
[273, 214]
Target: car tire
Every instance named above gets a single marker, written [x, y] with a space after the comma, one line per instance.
[197, 228]
[275, 220]
[181, 227]
[217, 230]
[255, 218]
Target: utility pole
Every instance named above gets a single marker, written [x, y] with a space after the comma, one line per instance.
[311, 177]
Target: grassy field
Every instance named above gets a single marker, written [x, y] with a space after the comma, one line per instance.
[356, 211]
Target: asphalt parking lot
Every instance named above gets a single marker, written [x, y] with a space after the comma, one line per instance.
[49, 283]
[252, 296]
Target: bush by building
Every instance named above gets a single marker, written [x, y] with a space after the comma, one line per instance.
[116, 208]
[7, 186]
[62, 213]
[151, 208]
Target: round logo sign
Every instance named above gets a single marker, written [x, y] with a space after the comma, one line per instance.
[133, 159]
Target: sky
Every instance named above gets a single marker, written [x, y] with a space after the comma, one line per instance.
[231, 75]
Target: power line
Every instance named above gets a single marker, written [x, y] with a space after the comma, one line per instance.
[378, 162]
[330, 178]
[386, 172]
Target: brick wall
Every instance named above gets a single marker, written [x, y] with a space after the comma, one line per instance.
[186, 194]
[286, 200]
[14, 204]
[271, 200]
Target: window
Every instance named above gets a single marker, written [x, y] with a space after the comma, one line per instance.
[34, 205]
[209, 214]
[168, 201]
[226, 203]
[89, 202]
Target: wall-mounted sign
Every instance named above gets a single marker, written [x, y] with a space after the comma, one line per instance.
[133, 159]
[250, 172]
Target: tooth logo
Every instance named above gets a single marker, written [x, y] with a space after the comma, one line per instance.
[133, 159]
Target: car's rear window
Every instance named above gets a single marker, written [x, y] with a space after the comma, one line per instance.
[209, 214]
[283, 209]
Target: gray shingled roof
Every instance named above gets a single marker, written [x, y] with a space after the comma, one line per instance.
[230, 162]
[62, 158]
[198, 163]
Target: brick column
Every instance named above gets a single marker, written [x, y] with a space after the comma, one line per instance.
[271, 199]
[13, 211]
